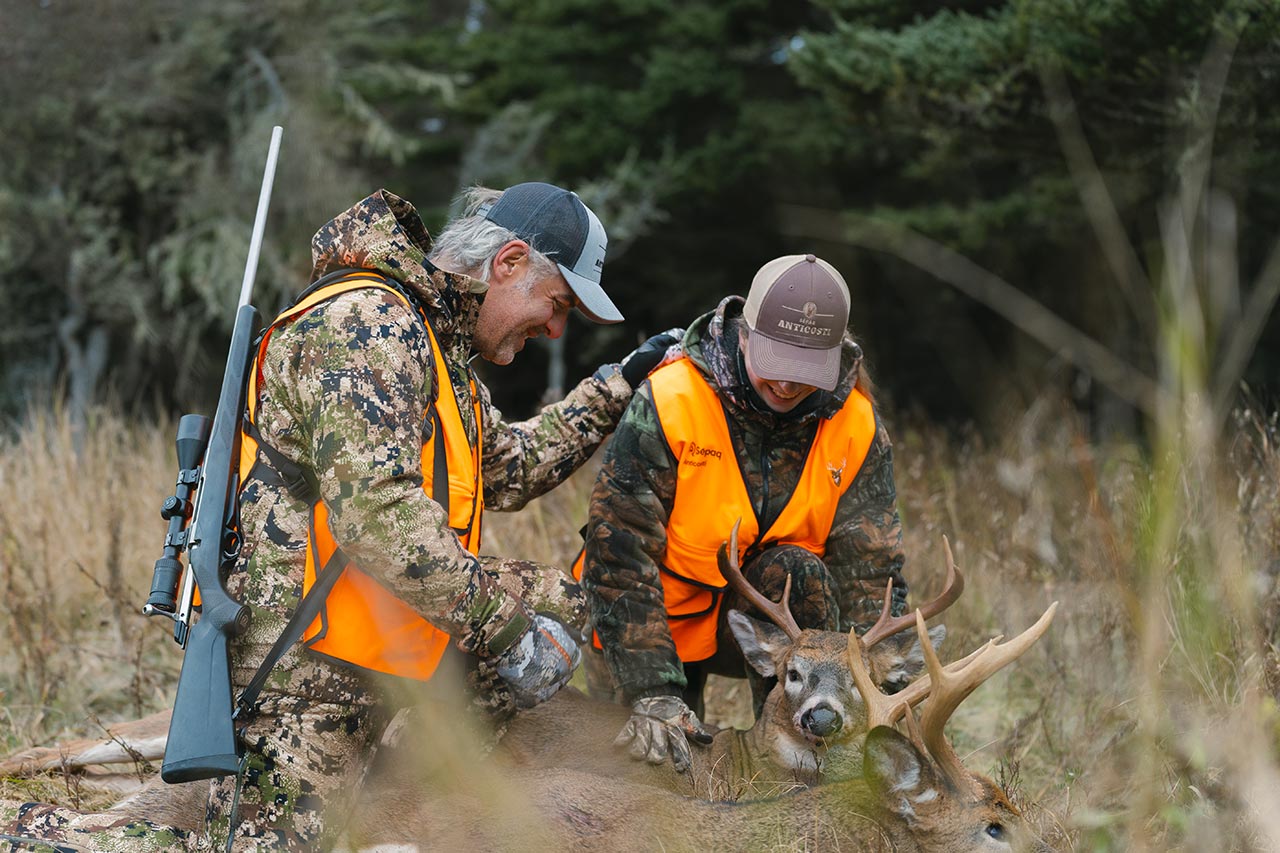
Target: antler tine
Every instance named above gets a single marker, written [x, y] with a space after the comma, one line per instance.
[952, 684]
[887, 626]
[778, 612]
[913, 730]
[885, 709]
[882, 709]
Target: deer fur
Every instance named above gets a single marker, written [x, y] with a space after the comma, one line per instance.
[526, 798]
[898, 801]
[773, 756]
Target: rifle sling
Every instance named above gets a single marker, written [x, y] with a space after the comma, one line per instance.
[306, 613]
[298, 481]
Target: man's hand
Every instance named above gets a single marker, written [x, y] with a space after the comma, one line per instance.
[539, 663]
[644, 358]
[662, 726]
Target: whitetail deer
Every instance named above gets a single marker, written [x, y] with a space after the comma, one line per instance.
[909, 793]
[810, 728]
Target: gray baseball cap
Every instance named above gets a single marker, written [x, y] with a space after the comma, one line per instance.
[796, 313]
[557, 223]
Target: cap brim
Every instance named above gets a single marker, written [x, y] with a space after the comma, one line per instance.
[592, 299]
[779, 362]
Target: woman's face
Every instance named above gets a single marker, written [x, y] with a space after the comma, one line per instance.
[780, 396]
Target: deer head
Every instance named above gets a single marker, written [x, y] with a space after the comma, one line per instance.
[919, 778]
[816, 704]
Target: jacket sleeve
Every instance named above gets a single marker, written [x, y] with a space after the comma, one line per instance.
[864, 548]
[626, 536]
[525, 460]
[352, 381]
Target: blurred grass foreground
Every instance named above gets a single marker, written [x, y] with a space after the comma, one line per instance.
[1146, 719]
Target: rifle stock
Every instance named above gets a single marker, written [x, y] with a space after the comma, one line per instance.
[202, 740]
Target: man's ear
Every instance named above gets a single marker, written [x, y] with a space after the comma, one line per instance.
[508, 262]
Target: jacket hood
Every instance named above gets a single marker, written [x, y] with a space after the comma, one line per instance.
[711, 342]
[385, 233]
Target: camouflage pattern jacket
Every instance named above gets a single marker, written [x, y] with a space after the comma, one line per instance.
[346, 391]
[634, 492]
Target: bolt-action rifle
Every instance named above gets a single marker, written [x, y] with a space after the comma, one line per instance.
[203, 522]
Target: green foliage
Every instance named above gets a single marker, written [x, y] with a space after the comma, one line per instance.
[962, 100]
[133, 162]
[133, 174]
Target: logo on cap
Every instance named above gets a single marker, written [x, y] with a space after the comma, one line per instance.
[796, 312]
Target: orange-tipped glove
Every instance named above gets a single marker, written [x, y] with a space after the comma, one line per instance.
[539, 663]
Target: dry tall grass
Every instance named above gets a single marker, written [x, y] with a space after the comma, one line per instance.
[1143, 720]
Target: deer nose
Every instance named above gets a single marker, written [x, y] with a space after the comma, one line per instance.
[821, 721]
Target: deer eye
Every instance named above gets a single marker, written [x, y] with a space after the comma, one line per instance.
[996, 831]
[793, 675]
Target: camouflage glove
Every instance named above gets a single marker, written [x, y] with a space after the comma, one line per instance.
[539, 663]
[660, 725]
[644, 358]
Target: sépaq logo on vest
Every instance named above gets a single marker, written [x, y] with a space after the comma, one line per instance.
[695, 450]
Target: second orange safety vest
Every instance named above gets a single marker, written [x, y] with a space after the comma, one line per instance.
[361, 624]
[710, 496]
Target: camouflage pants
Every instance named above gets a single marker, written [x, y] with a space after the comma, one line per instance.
[306, 761]
[306, 758]
[46, 828]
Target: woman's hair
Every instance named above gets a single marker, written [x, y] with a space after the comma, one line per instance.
[469, 243]
[863, 383]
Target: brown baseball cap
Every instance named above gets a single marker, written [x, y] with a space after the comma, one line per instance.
[796, 313]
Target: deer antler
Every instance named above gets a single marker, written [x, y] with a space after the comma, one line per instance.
[885, 709]
[887, 626]
[945, 687]
[779, 612]
[952, 686]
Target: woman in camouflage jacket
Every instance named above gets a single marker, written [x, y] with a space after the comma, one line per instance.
[771, 426]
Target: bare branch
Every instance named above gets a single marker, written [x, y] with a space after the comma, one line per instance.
[986, 287]
[1102, 213]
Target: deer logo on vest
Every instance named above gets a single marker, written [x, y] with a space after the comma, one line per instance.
[837, 471]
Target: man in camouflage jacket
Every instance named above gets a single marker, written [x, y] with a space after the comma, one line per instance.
[343, 393]
[626, 536]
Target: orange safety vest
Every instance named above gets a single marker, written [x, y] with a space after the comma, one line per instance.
[361, 624]
[711, 495]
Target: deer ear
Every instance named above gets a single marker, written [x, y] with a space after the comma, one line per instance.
[901, 777]
[758, 640]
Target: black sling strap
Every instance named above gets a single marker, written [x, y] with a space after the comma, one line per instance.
[306, 613]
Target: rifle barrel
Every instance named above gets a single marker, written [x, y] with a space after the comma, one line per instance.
[260, 218]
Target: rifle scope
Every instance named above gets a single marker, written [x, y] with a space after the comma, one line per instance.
[193, 438]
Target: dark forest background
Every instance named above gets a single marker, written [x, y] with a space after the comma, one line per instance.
[999, 180]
